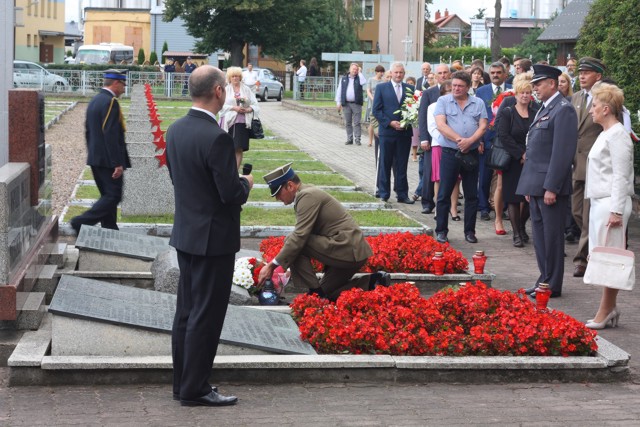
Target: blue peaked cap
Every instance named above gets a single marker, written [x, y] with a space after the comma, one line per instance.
[278, 177]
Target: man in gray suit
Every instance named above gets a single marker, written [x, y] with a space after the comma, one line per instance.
[546, 175]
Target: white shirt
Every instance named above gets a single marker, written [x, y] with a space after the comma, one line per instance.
[206, 111]
[432, 126]
[350, 95]
[301, 73]
[249, 77]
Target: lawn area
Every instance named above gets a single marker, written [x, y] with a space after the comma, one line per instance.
[269, 165]
[253, 216]
[253, 155]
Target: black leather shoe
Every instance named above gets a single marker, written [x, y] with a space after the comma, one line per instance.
[358, 142]
[384, 279]
[471, 238]
[524, 235]
[427, 211]
[530, 290]
[211, 399]
[441, 238]
[485, 216]
[406, 201]
[385, 199]
[176, 396]
[75, 226]
[349, 142]
[579, 270]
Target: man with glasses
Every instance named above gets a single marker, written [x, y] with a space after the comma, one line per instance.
[107, 151]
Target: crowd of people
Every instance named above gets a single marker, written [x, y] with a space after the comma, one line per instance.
[546, 119]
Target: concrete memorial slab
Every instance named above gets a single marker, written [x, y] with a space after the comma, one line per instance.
[112, 250]
[100, 304]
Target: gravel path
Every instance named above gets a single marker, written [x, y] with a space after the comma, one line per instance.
[69, 154]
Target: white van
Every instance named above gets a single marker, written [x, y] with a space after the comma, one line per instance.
[104, 53]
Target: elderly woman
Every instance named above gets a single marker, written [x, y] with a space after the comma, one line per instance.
[512, 122]
[371, 91]
[609, 187]
[238, 110]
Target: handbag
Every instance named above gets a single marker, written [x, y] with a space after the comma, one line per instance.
[256, 131]
[611, 267]
[468, 161]
[498, 158]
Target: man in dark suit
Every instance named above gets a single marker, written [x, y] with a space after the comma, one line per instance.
[443, 72]
[422, 83]
[590, 72]
[488, 94]
[546, 175]
[107, 151]
[324, 231]
[395, 139]
[206, 234]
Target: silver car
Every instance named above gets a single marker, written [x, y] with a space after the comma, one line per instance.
[270, 86]
[30, 75]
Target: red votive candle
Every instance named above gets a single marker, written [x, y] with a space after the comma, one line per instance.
[543, 293]
[438, 264]
[479, 260]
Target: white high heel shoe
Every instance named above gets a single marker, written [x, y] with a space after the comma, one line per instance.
[612, 317]
[614, 309]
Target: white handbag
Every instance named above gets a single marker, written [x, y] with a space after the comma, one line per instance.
[611, 267]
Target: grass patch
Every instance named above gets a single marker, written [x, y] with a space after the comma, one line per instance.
[254, 156]
[325, 179]
[252, 216]
[271, 144]
[87, 175]
[319, 103]
[88, 192]
[269, 165]
[264, 195]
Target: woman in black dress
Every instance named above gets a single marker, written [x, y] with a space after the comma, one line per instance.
[513, 122]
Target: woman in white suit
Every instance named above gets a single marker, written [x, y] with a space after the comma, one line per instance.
[609, 187]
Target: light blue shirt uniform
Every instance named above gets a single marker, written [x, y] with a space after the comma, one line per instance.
[464, 122]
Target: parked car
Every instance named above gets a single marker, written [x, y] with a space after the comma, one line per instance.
[31, 75]
[270, 86]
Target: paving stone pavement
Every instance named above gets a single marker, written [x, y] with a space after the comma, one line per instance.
[433, 404]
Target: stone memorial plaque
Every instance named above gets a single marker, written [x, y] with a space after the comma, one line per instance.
[107, 302]
[78, 297]
[120, 243]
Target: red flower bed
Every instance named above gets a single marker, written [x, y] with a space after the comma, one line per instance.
[474, 320]
[396, 252]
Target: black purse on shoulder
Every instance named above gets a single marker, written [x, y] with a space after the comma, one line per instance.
[498, 158]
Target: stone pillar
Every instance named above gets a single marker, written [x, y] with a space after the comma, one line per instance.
[26, 135]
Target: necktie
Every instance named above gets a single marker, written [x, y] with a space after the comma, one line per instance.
[583, 105]
[498, 90]
[399, 92]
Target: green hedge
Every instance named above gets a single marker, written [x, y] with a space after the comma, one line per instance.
[99, 67]
[434, 54]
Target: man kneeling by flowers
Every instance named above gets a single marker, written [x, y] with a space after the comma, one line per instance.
[323, 231]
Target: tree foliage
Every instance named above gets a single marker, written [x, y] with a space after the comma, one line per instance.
[610, 33]
[281, 27]
[153, 57]
[141, 56]
[538, 51]
[480, 14]
[165, 47]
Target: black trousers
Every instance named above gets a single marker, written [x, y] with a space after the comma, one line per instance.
[105, 210]
[203, 296]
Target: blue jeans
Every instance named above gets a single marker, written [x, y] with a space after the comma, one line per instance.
[450, 168]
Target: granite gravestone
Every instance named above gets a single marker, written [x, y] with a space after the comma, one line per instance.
[112, 250]
[98, 301]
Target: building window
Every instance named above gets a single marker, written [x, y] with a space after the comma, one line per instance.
[366, 46]
[55, 11]
[28, 40]
[35, 40]
[48, 9]
[367, 8]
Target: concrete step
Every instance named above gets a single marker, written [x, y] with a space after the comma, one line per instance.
[57, 253]
[47, 282]
[31, 310]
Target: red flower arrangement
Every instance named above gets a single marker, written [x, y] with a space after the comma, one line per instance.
[495, 104]
[471, 321]
[395, 252]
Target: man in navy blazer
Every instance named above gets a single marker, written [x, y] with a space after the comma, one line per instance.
[107, 152]
[206, 234]
[546, 175]
[430, 96]
[488, 94]
[395, 140]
